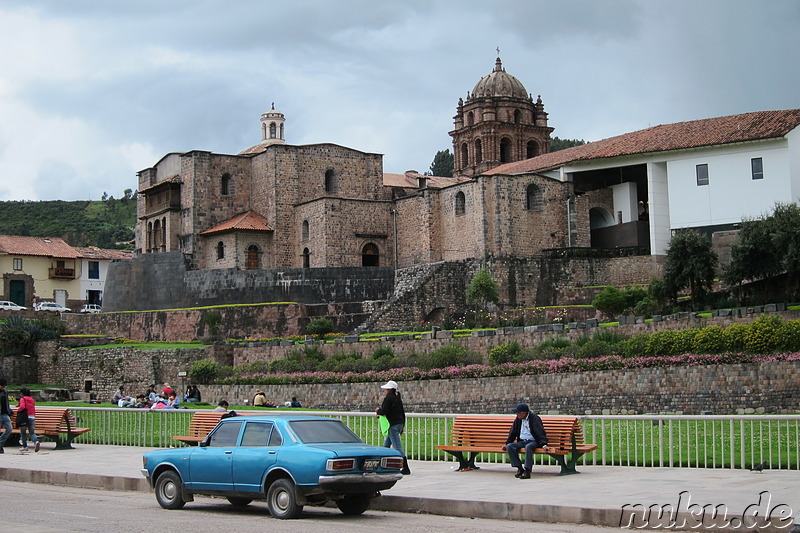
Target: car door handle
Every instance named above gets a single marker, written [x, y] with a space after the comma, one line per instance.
[271, 452]
[228, 452]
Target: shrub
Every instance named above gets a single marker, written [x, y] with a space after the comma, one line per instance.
[709, 340]
[450, 355]
[505, 353]
[734, 336]
[594, 348]
[212, 319]
[204, 371]
[635, 346]
[609, 335]
[320, 327]
[790, 336]
[662, 343]
[383, 351]
[610, 301]
[684, 341]
[764, 335]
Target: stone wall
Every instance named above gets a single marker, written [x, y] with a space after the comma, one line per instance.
[131, 285]
[720, 389]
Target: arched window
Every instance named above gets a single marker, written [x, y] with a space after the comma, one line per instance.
[464, 156]
[263, 131]
[225, 184]
[306, 258]
[253, 258]
[470, 119]
[273, 130]
[505, 150]
[281, 131]
[330, 181]
[461, 203]
[149, 245]
[164, 234]
[220, 250]
[370, 255]
[305, 230]
[533, 198]
[531, 149]
[478, 151]
[517, 116]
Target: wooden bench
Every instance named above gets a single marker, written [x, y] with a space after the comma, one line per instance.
[475, 434]
[57, 423]
[202, 423]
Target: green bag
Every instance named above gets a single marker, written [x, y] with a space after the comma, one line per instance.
[384, 422]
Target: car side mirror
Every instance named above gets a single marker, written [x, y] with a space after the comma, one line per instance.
[203, 443]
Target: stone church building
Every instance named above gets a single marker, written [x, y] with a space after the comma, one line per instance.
[289, 216]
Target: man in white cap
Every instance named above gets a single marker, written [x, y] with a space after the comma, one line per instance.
[392, 409]
[527, 433]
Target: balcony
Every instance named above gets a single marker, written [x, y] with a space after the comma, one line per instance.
[62, 273]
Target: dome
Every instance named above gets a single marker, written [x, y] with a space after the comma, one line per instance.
[499, 83]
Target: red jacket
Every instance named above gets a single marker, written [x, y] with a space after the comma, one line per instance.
[27, 402]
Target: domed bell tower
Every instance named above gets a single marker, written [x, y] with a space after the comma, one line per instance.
[498, 123]
[272, 127]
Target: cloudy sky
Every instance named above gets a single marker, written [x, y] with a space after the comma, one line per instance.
[91, 91]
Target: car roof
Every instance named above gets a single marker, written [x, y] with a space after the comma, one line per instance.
[286, 417]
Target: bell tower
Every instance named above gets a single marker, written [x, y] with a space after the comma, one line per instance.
[499, 122]
[272, 123]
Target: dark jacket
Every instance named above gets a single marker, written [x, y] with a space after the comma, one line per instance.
[536, 426]
[4, 407]
[392, 409]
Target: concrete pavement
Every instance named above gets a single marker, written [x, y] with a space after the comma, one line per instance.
[598, 495]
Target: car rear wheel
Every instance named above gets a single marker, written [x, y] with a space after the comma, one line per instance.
[169, 489]
[282, 500]
[239, 502]
[353, 504]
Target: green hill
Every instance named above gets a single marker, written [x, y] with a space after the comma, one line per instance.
[107, 223]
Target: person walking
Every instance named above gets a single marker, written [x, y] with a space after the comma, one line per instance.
[5, 414]
[527, 433]
[392, 409]
[28, 405]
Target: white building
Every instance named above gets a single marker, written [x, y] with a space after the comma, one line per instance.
[93, 271]
[707, 174]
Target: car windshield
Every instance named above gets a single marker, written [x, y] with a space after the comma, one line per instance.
[322, 431]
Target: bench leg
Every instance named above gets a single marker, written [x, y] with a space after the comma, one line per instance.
[567, 465]
[465, 465]
[63, 442]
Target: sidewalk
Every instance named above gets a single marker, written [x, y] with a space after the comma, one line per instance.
[595, 496]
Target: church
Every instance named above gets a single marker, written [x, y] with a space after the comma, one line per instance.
[277, 206]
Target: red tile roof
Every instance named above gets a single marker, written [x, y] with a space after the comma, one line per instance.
[755, 126]
[93, 252]
[41, 246]
[410, 180]
[247, 221]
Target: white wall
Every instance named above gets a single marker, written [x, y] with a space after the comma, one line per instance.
[658, 204]
[794, 163]
[625, 201]
[731, 193]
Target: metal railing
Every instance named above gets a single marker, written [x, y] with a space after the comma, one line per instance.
[639, 440]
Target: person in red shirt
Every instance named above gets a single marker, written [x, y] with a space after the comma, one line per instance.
[28, 404]
[167, 391]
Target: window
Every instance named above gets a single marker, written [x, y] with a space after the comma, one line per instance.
[470, 119]
[702, 175]
[478, 151]
[533, 198]
[305, 230]
[273, 130]
[461, 203]
[225, 184]
[505, 150]
[256, 434]
[306, 258]
[517, 116]
[17, 263]
[370, 255]
[464, 156]
[531, 149]
[94, 269]
[225, 435]
[330, 180]
[757, 166]
[220, 250]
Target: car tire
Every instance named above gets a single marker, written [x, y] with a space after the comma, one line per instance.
[239, 502]
[169, 490]
[282, 500]
[354, 504]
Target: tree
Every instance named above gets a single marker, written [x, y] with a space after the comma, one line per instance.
[483, 288]
[442, 164]
[320, 327]
[690, 263]
[557, 144]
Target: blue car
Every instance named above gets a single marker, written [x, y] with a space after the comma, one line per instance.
[289, 461]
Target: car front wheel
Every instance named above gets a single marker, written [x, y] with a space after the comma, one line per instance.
[168, 490]
[354, 504]
[282, 500]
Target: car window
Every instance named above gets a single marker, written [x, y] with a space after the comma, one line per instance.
[319, 431]
[275, 438]
[225, 435]
[256, 434]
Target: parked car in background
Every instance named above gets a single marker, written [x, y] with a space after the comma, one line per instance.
[289, 461]
[11, 306]
[90, 308]
[51, 306]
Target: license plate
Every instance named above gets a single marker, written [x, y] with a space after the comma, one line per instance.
[371, 464]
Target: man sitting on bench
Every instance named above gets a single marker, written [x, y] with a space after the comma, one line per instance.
[526, 433]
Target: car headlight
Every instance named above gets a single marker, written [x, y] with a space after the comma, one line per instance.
[335, 465]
